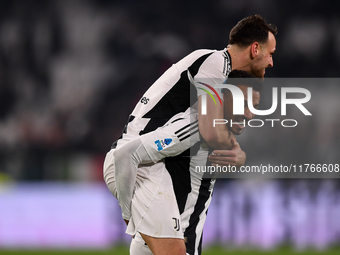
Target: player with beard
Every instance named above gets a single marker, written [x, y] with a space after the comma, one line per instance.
[170, 95]
[192, 190]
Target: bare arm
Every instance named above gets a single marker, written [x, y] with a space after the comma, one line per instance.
[217, 137]
[228, 151]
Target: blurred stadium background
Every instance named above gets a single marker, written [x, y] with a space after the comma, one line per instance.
[72, 71]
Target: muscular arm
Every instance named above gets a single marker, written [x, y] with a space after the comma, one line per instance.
[211, 72]
[217, 137]
[227, 150]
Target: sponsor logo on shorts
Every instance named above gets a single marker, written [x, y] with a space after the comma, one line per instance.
[161, 144]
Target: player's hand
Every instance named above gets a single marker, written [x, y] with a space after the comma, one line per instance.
[234, 157]
[127, 222]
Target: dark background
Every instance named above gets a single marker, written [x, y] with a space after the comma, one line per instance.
[72, 71]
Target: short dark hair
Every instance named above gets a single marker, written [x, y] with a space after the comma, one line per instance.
[251, 29]
[239, 77]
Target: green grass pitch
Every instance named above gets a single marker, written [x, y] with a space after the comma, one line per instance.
[216, 250]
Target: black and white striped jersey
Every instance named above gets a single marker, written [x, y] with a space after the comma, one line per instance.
[172, 92]
[168, 96]
[193, 192]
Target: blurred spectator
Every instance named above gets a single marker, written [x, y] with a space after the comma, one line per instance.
[68, 67]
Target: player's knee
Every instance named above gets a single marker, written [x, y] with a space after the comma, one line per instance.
[182, 251]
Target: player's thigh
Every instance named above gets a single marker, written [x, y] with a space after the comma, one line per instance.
[139, 247]
[154, 206]
[109, 172]
[161, 227]
[165, 246]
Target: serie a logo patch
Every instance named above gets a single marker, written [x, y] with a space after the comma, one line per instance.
[161, 144]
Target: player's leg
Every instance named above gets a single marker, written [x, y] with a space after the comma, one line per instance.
[139, 247]
[165, 246]
[109, 173]
[126, 160]
[126, 157]
[155, 212]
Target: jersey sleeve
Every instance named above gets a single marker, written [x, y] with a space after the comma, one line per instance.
[212, 71]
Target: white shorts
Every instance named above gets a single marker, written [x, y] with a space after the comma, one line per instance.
[154, 207]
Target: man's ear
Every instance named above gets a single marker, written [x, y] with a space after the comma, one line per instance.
[254, 50]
